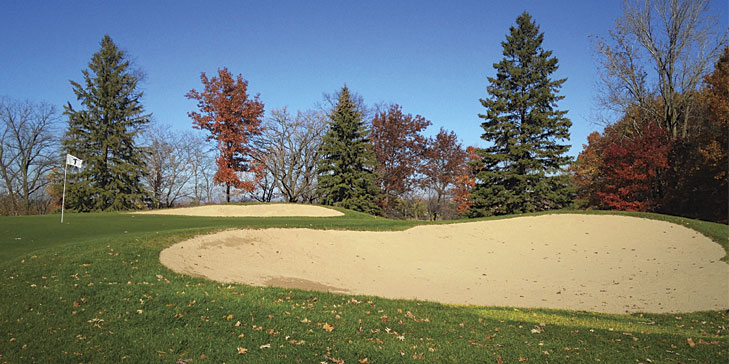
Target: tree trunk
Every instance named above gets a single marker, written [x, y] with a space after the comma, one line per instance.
[227, 192]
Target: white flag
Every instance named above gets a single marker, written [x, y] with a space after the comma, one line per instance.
[71, 160]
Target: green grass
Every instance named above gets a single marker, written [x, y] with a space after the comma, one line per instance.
[93, 291]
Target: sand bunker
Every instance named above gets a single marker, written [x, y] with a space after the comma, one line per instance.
[609, 264]
[264, 210]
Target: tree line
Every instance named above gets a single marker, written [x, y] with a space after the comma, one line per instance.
[666, 152]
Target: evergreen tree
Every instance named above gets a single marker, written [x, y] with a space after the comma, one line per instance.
[522, 168]
[346, 176]
[102, 133]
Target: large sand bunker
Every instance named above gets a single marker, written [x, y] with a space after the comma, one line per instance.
[263, 210]
[585, 262]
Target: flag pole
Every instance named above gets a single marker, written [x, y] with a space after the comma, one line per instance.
[63, 199]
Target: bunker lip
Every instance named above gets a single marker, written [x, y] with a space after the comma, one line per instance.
[262, 210]
[599, 263]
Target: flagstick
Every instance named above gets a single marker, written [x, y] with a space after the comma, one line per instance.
[63, 199]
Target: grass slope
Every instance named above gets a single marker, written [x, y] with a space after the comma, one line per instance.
[93, 291]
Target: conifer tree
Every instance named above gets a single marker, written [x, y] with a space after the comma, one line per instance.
[346, 176]
[522, 168]
[102, 133]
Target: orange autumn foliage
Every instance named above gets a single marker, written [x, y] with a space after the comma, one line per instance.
[635, 165]
[465, 182]
[232, 118]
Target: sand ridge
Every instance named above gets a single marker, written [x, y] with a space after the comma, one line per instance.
[599, 263]
[262, 210]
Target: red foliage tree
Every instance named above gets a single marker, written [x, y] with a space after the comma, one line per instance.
[633, 167]
[399, 148]
[226, 111]
[444, 165]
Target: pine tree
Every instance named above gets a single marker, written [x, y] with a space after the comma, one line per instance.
[346, 176]
[522, 168]
[102, 133]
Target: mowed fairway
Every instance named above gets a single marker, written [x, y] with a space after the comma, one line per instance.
[94, 290]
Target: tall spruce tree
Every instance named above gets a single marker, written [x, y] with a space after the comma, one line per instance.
[102, 133]
[522, 168]
[346, 176]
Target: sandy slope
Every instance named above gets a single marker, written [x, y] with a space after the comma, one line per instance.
[587, 262]
[264, 210]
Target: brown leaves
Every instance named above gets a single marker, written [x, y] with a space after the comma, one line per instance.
[398, 144]
[691, 342]
[332, 359]
[231, 117]
[242, 350]
[327, 327]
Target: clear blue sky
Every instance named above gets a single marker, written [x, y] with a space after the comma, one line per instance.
[431, 57]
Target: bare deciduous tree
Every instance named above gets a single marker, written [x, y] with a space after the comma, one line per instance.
[168, 168]
[200, 159]
[289, 150]
[180, 167]
[28, 152]
[671, 43]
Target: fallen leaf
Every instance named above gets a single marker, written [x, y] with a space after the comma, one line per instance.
[237, 324]
[230, 316]
[327, 327]
[242, 350]
[266, 346]
[363, 361]
[691, 342]
[305, 320]
[241, 336]
[523, 360]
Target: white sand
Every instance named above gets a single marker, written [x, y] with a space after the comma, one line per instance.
[597, 263]
[263, 210]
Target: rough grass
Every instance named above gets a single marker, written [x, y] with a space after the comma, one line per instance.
[93, 291]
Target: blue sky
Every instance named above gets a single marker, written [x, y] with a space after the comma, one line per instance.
[431, 57]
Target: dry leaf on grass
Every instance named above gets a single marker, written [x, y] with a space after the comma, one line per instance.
[242, 350]
[327, 327]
